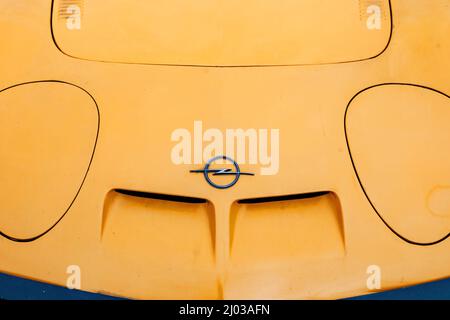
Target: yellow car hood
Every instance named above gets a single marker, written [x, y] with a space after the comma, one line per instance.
[87, 123]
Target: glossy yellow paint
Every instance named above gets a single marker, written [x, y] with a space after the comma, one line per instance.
[311, 247]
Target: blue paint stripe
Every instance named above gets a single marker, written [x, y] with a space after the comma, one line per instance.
[438, 290]
[15, 288]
